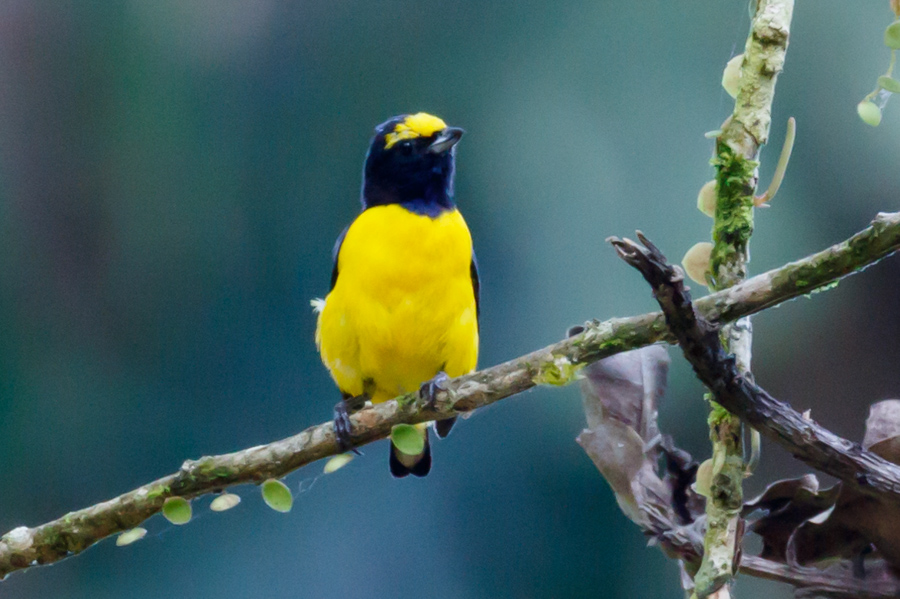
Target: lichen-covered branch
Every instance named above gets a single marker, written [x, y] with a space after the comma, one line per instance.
[737, 150]
[700, 343]
[24, 547]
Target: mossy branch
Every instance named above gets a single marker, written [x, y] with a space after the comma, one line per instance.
[71, 534]
[737, 150]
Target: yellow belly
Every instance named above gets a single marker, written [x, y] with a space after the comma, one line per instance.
[403, 306]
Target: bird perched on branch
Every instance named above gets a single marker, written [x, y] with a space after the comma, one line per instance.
[402, 313]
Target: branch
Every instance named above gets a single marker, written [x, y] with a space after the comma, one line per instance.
[71, 534]
[834, 582]
[737, 149]
[806, 440]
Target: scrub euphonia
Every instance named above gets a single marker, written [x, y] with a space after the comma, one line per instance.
[402, 313]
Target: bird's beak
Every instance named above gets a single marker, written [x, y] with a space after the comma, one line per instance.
[445, 140]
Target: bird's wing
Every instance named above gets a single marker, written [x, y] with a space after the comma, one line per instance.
[337, 250]
[476, 284]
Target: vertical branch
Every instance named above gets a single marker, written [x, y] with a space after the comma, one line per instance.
[737, 150]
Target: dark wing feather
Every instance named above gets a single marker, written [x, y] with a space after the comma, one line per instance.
[476, 285]
[334, 256]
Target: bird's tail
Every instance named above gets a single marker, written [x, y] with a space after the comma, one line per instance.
[442, 427]
[403, 464]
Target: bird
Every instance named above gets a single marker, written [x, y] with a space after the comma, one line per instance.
[402, 313]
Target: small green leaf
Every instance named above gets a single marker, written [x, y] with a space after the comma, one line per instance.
[869, 113]
[225, 501]
[130, 536]
[337, 462]
[277, 496]
[177, 510]
[892, 35]
[408, 439]
[891, 85]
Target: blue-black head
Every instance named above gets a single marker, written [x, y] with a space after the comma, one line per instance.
[411, 162]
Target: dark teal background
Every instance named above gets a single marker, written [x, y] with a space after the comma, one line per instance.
[173, 174]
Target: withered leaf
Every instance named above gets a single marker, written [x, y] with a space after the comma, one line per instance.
[804, 525]
[621, 395]
[627, 387]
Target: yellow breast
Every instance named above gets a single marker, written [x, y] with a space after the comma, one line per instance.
[403, 306]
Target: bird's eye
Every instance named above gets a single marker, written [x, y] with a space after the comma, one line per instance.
[406, 148]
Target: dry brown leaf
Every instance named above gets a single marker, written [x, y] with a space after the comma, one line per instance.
[621, 395]
[803, 525]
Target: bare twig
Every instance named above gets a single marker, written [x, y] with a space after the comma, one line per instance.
[24, 547]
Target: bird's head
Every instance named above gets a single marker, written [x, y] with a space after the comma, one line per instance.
[411, 162]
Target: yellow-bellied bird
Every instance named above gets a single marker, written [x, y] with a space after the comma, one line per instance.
[402, 313]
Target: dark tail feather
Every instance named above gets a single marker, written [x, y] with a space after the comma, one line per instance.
[419, 465]
[442, 427]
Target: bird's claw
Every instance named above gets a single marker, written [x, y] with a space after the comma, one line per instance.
[429, 389]
[343, 430]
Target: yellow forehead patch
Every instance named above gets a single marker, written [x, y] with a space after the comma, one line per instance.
[416, 125]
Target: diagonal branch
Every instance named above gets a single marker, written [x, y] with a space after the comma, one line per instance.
[24, 547]
[699, 341]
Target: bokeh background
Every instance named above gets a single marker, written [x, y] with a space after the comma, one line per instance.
[173, 175]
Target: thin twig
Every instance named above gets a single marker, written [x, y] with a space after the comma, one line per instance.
[73, 533]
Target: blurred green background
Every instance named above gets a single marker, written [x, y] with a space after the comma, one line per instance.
[173, 174]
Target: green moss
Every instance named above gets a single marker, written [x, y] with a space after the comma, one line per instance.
[158, 491]
[717, 414]
[219, 472]
[613, 344]
[735, 177]
[407, 400]
[558, 372]
[724, 430]
[207, 468]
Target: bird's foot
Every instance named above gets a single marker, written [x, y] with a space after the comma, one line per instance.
[429, 389]
[343, 430]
